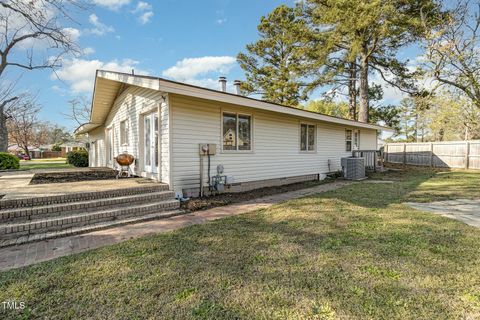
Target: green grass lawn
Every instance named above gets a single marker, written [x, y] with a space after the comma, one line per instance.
[43, 160]
[32, 165]
[353, 253]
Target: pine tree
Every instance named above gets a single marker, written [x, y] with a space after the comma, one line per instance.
[367, 34]
[276, 65]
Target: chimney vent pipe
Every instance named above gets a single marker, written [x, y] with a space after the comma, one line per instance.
[223, 83]
[237, 84]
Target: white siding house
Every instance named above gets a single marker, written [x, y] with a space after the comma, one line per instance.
[163, 123]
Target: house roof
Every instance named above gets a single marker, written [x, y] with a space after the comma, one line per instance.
[73, 144]
[109, 85]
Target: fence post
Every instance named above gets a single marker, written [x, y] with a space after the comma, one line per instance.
[467, 154]
[431, 154]
[404, 154]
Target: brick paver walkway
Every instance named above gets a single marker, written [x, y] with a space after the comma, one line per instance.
[27, 254]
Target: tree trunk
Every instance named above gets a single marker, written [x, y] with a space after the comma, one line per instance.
[3, 130]
[352, 90]
[27, 152]
[363, 107]
[416, 127]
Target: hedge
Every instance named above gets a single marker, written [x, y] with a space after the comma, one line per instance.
[78, 158]
[8, 161]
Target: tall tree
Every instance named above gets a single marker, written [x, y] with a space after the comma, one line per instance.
[388, 115]
[368, 34]
[276, 65]
[328, 107]
[7, 101]
[29, 28]
[23, 125]
[33, 36]
[452, 53]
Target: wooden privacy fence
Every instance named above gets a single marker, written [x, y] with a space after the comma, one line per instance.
[450, 154]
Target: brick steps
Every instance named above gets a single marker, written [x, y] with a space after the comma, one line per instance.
[55, 216]
[88, 228]
[46, 211]
[81, 196]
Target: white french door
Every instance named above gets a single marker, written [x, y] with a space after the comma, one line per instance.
[150, 142]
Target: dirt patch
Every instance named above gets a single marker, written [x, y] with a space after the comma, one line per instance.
[224, 199]
[72, 176]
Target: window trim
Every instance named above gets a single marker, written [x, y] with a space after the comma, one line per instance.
[237, 114]
[300, 137]
[347, 140]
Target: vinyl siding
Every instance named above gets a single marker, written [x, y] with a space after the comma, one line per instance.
[131, 105]
[276, 144]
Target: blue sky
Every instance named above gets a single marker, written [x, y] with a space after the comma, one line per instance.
[191, 41]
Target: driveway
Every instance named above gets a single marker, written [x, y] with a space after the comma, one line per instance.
[465, 210]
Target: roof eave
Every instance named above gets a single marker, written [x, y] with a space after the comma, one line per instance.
[169, 86]
[85, 128]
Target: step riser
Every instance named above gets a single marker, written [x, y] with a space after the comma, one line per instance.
[66, 208]
[89, 228]
[9, 232]
[58, 199]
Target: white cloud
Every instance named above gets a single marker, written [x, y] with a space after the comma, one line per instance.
[221, 21]
[111, 4]
[145, 17]
[190, 68]
[72, 34]
[142, 6]
[144, 9]
[87, 51]
[99, 28]
[79, 74]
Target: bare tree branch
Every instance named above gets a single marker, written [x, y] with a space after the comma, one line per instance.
[36, 24]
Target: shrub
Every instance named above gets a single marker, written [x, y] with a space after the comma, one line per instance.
[8, 161]
[78, 158]
[56, 147]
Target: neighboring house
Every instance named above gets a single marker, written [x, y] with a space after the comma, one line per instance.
[71, 146]
[162, 123]
[35, 152]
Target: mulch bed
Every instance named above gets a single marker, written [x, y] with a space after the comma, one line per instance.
[223, 199]
[72, 176]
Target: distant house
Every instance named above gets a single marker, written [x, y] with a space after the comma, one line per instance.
[71, 146]
[164, 124]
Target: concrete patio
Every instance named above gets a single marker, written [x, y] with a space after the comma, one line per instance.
[15, 185]
[465, 210]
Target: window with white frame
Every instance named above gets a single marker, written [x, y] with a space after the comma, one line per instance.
[352, 140]
[237, 131]
[124, 133]
[348, 140]
[307, 137]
